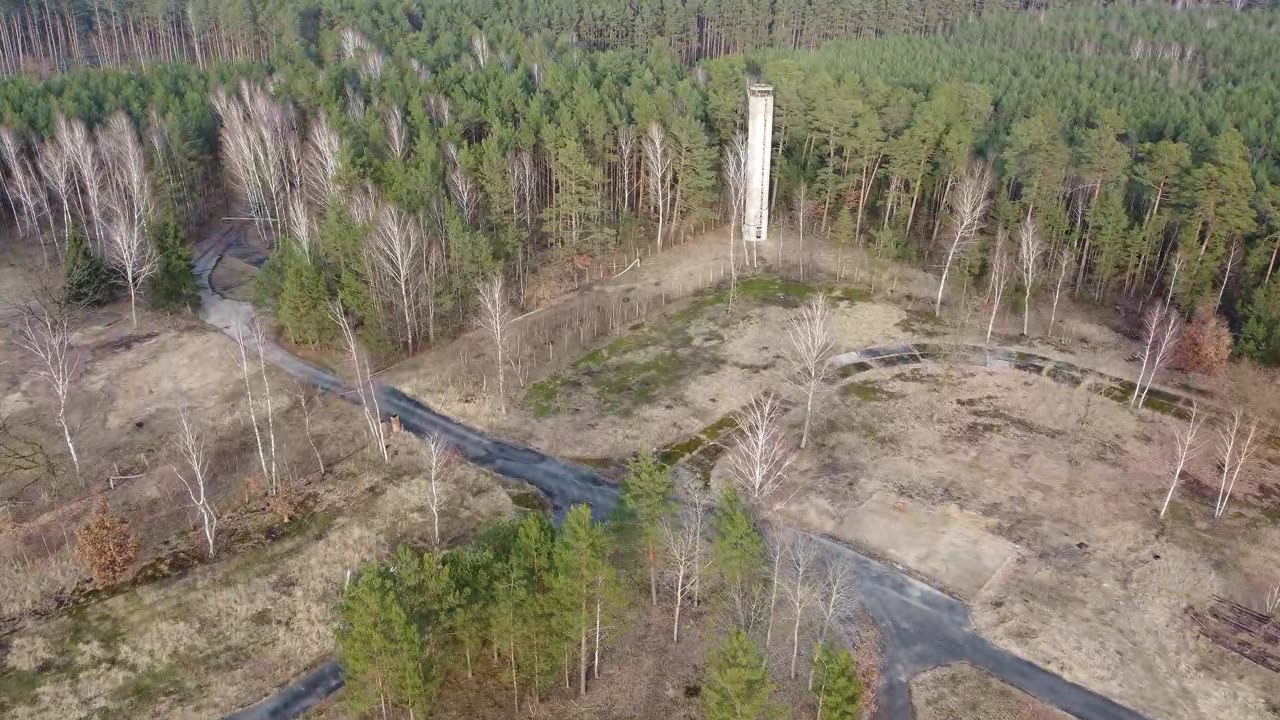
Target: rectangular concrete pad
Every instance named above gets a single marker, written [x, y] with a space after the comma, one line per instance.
[948, 546]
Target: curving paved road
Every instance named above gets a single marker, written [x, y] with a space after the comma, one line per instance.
[922, 628]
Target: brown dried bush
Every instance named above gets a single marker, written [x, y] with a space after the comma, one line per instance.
[868, 654]
[284, 504]
[107, 546]
[1206, 342]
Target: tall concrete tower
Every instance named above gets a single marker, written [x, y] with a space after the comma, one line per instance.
[755, 219]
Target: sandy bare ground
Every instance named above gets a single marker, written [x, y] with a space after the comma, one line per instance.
[1097, 587]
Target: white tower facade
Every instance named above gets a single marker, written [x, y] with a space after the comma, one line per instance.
[755, 218]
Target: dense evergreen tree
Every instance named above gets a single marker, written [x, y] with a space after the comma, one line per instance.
[584, 583]
[836, 685]
[1260, 335]
[85, 279]
[173, 286]
[737, 558]
[302, 306]
[645, 499]
[738, 686]
[502, 141]
[386, 661]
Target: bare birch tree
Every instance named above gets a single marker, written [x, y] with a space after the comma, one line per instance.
[1152, 319]
[442, 461]
[1166, 346]
[191, 446]
[396, 256]
[363, 203]
[1235, 447]
[246, 344]
[698, 499]
[968, 205]
[480, 48]
[1271, 602]
[58, 169]
[1065, 262]
[800, 213]
[520, 165]
[658, 162]
[365, 390]
[1001, 266]
[322, 160]
[1228, 264]
[132, 257]
[836, 601]
[80, 147]
[276, 147]
[297, 218]
[760, 459]
[262, 152]
[353, 43]
[1161, 326]
[733, 171]
[778, 546]
[464, 191]
[1185, 448]
[810, 353]
[679, 539]
[626, 140]
[306, 395]
[801, 591]
[1030, 247]
[493, 319]
[128, 206]
[1178, 261]
[22, 185]
[260, 344]
[397, 132]
[240, 156]
[46, 335]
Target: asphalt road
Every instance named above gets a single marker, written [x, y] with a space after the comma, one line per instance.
[921, 627]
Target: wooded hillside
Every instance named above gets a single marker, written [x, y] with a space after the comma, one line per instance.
[396, 155]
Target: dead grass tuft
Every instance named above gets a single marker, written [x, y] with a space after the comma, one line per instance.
[91, 651]
[1177, 580]
[29, 652]
[963, 692]
[160, 642]
[25, 588]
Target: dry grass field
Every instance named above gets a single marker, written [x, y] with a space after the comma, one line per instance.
[123, 413]
[963, 692]
[206, 642]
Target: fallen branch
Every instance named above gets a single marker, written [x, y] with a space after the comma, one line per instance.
[633, 264]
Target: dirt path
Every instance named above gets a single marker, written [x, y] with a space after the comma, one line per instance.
[922, 627]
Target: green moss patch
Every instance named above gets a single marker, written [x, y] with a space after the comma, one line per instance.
[544, 397]
[868, 391]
